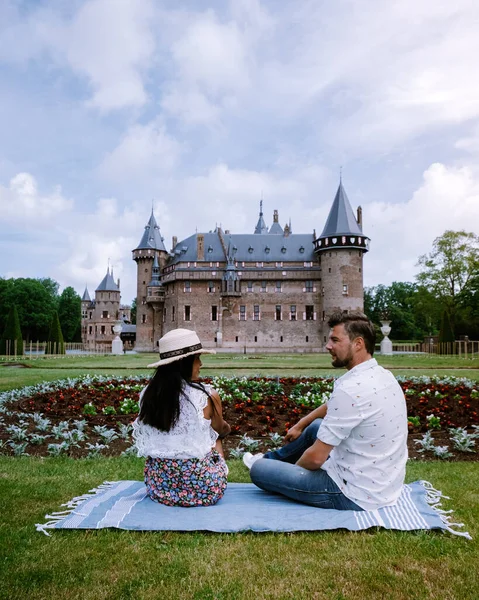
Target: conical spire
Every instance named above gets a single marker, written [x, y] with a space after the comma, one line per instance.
[261, 225]
[151, 238]
[86, 295]
[155, 273]
[108, 283]
[341, 219]
[275, 227]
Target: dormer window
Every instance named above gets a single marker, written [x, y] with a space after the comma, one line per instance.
[302, 249]
[283, 249]
[210, 249]
[267, 249]
[251, 249]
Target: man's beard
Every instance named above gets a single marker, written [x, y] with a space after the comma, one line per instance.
[342, 362]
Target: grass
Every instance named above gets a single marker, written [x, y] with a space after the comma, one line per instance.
[116, 564]
[93, 565]
[309, 365]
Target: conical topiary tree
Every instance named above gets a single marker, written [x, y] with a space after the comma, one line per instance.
[12, 340]
[446, 334]
[55, 343]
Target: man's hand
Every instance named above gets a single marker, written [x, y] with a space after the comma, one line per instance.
[293, 433]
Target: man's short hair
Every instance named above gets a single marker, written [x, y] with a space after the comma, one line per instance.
[356, 324]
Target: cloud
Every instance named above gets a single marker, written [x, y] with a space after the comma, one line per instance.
[143, 151]
[448, 199]
[107, 43]
[21, 200]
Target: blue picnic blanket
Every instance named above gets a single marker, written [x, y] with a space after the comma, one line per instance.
[244, 507]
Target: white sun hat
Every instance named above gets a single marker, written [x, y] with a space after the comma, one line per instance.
[178, 344]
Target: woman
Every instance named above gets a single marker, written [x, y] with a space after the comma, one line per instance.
[179, 427]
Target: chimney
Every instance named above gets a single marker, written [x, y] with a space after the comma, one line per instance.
[174, 241]
[200, 246]
[275, 216]
[360, 217]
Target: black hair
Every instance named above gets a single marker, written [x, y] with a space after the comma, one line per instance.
[356, 324]
[160, 403]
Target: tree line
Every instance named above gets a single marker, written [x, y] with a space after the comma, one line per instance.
[444, 299]
[35, 307]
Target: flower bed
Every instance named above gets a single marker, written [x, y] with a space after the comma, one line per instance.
[89, 416]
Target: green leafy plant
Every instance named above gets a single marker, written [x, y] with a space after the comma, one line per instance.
[89, 409]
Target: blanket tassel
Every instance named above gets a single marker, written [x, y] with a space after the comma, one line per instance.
[58, 516]
[433, 498]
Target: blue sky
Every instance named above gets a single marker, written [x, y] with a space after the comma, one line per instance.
[109, 105]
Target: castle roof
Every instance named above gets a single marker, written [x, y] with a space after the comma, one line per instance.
[151, 237]
[108, 283]
[341, 219]
[248, 247]
[86, 295]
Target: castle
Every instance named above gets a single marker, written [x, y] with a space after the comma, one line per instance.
[269, 291]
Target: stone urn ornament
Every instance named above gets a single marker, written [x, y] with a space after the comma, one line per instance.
[386, 344]
[117, 344]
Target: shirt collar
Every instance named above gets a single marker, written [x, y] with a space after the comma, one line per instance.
[361, 368]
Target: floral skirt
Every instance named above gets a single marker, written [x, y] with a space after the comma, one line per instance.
[186, 481]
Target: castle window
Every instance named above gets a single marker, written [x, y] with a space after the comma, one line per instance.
[172, 313]
[102, 331]
[112, 329]
[308, 286]
[302, 250]
[242, 313]
[187, 286]
[310, 315]
[278, 286]
[345, 289]
[281, 339]
[90, 314]
[259, 264]
[164, 315]
[255, 338]
[146, 270]
[250, 286]
[105, 315]
[360, 269]
[256, 313]
[307, 338]
[187, 313]
[308, 264]
[279, 264]
[329, 270]
[211, 287]
[292, 313]
[324, 315]
[277, 313]
[236, 338]
[143, 318]
[263, 286]
[90, 330]
[283, 249]
[214, 313]
[251, 249]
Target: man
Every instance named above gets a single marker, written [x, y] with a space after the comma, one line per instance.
[351, 453]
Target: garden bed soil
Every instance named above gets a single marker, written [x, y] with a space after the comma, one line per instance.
[273, 413]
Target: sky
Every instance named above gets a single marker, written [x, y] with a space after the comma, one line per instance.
[201, 108]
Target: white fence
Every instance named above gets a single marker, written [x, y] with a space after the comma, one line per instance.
[37, 349]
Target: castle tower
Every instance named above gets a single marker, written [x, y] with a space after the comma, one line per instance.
[150, 256]
[340, 249]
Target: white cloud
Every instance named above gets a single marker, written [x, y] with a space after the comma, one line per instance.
[143, 151]
[448, 199]
[22, 200]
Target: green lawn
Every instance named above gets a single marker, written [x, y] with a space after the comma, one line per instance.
[120, 565]
[115, 565]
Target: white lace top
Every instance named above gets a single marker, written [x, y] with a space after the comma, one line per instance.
[191, 437]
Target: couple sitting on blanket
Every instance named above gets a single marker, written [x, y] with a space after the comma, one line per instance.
[348, 454]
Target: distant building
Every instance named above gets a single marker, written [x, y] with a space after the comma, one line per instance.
[268, 291]
[99, 315]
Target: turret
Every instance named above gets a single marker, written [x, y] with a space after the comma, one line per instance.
[340, 249]
[261, 225]
[150, 256]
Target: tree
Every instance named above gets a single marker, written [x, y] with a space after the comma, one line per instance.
[12, 340]
[36, 301]
[449, 270]
[55, 343]
[69, 313]
[133, 311]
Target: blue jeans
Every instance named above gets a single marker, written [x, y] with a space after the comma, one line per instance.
[277, 472]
